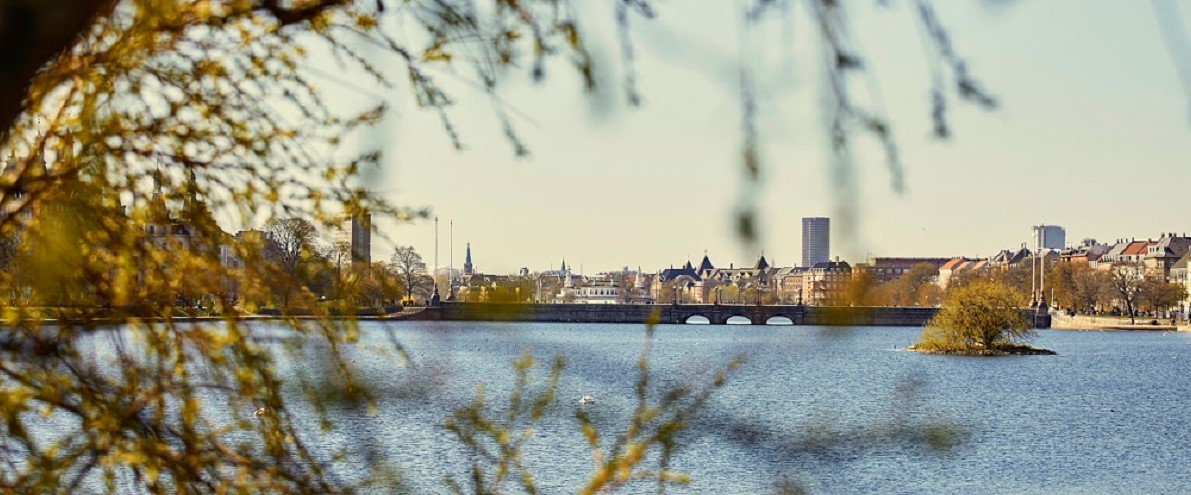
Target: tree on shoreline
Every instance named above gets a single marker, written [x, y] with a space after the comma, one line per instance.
[339, 258]
[292, 249]
[410, 270]
[917, 287]
[1125, 280]
[1077, 286]
[1159, 295]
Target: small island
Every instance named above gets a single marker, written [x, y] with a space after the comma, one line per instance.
[981, 318]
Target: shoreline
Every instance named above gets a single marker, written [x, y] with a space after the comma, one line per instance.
[1060, 321]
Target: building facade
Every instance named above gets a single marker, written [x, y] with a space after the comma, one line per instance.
[1087, 252]
[823, 283]
[958, 267]
[1162, 255]
[886, 269]
[1126, 251]
[1179, 274]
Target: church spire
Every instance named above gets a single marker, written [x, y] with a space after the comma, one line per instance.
[193, 186]
[157, 207]
[157, 179]
[563, 267]
[467, 266]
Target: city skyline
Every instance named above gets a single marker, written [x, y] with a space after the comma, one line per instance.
[1086, 124]
[577, 267]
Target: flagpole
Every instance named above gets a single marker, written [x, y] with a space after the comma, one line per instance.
[451, 269]
[434, 274]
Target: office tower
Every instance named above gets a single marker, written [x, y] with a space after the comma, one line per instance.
[816, 240]
[1049, 237]
[356, 230]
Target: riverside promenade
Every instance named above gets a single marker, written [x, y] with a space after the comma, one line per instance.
[1087, 322]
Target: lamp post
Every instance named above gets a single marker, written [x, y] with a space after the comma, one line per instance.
[1042, 279]
[1034, 276]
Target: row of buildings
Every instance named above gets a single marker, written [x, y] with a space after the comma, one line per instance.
[820, 281]
[824, 282]
[820, 284]
[1165, 258]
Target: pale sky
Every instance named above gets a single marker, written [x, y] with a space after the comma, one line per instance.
[1093, 134]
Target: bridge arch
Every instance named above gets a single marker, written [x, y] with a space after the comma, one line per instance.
[779, 320]
[738, 319]
[697, 319]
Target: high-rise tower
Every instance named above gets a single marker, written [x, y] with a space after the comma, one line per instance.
[816, 240]
[1049, 237]
[356, 230]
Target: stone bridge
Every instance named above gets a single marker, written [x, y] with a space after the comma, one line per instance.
[685, 313]
[681, 313]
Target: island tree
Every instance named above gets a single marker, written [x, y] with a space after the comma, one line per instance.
[983, 316]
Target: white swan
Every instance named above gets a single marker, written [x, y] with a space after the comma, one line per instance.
[260, 412]
[586, 399]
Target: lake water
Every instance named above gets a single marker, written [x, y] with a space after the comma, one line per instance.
[837, 410]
